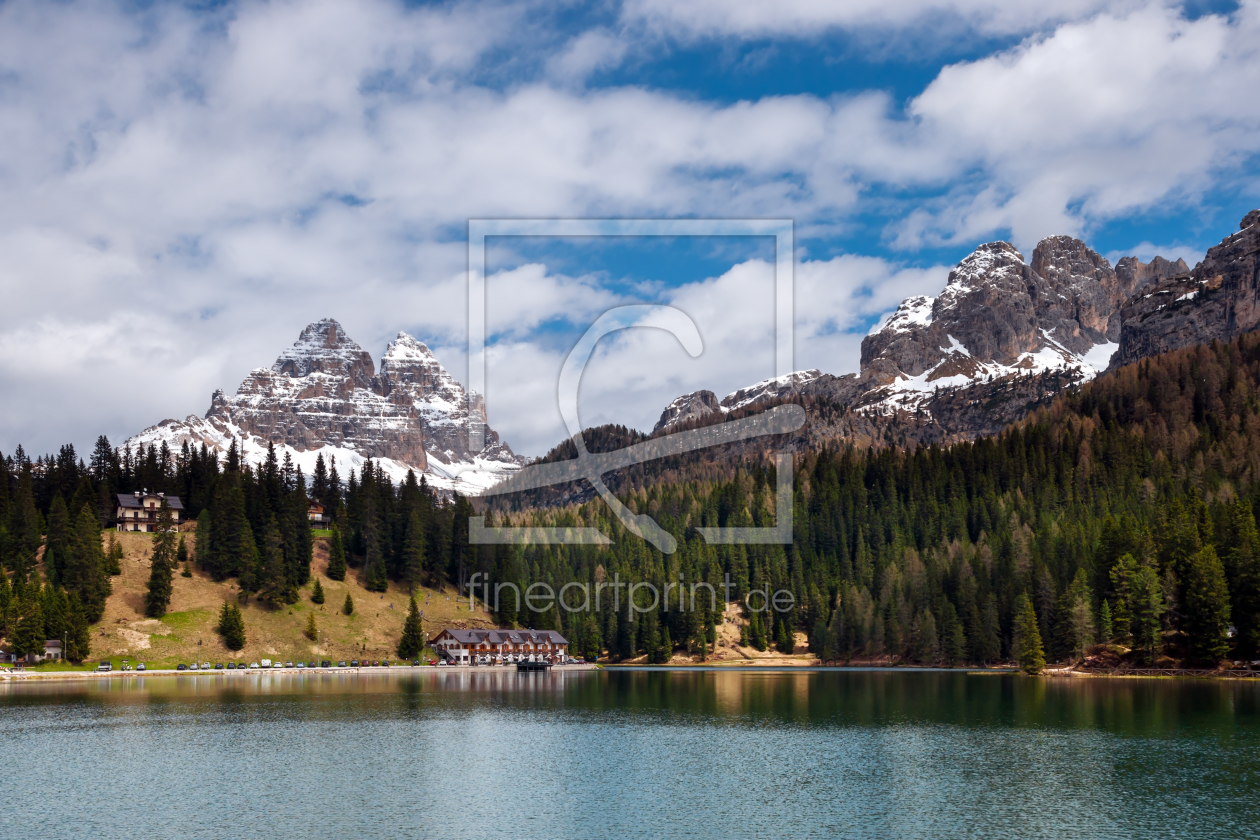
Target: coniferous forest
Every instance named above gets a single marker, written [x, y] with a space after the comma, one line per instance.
[1124, 513]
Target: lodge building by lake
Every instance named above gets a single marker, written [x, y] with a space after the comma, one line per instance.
[468, 647]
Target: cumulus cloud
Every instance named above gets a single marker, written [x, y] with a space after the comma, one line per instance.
[635, 373]
[1098, 119]
[810, 18]
[198, 185]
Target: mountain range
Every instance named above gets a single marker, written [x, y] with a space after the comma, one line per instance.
[323, 396]
[1004, 336]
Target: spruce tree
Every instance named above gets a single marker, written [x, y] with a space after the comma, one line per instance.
[413, 551]
[412, 641]
[311, 632]
[377, 580]
[317, 594]
[28, 636]
[82, 567]
[271, 581]
[1080, 614]
[231, 626]
[1145, 600]
[158, 598]
[113, 557]
[336, 556]
[57, 542]
[1031, 655]
[78, 632]
[347, 607]
[1207, 608]
[181, 553]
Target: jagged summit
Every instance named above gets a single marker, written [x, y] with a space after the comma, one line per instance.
[1219, 299]
[999, 319]
[323, 395]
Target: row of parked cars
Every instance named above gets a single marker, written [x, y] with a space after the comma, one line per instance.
[267, 663]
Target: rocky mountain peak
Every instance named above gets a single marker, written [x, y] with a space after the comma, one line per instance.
[1219, 299]
[322, 395]
[324, 347]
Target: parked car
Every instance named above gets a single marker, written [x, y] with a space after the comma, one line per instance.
[266, 663]
[218, 666]
[415, 662]
[140, 666]
[354, 663]
[181, 667]
[277, 664]
[341, 664]
[325, 664]
[300, 665]
[253, 664]
[194, 667]
[442, 663]
[105, 666]
[288, 664]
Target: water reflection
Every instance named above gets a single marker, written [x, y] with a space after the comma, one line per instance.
[621, 753]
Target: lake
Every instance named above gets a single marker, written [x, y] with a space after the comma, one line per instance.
[485, 753]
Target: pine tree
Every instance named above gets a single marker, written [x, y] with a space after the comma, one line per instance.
[336, 556]
[1080, 614]
[377, 580]
[28, 636]
[78, 632]
[412, 641]
[82, 564]
[1207, 608]
[231, 626]
[347, 608]
[311, 632]
[113, 557]
[1031, 655]
[271, 580]
[158, 598]
[1104, 623]
[1145, 600]
[413, 551]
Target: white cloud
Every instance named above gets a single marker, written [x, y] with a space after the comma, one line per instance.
[809, 18]
[635, 373]
[211, 182]
[1099, 119]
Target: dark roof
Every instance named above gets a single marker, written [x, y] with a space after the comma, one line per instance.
[130, 500]
[516, 637]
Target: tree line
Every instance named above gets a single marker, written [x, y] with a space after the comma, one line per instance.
[1123, 513]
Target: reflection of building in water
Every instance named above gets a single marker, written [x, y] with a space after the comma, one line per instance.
[729, 692]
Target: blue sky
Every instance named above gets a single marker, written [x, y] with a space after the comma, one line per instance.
[244, 168]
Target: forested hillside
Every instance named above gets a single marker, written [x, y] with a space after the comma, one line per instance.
[1124, 512]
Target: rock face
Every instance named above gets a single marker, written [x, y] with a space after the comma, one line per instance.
[323, 395]
[688, 407]
[1003, 335]
[1000, 316]
[700, 404]
[1219, 299]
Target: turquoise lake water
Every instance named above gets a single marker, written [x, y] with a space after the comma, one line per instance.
[483, 753]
